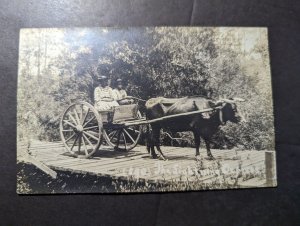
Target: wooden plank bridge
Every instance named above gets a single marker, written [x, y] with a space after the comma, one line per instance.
[245, 168]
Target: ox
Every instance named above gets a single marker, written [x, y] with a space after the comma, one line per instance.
[203, 125]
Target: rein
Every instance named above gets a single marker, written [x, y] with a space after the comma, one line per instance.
[135, 98]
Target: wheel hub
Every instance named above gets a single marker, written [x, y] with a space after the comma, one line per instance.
[79, 128]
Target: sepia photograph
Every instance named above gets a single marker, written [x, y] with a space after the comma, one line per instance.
[144, 109]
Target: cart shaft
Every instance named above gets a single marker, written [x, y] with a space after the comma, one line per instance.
[144, 121]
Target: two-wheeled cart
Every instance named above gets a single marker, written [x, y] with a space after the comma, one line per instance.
[83, 129]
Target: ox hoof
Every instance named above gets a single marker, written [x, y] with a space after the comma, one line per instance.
[163, 158]
[198, 157]
[210, 157]
[154, 156]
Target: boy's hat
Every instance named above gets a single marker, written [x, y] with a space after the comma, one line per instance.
[102, 77]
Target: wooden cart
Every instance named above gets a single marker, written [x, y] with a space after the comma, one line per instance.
[83, 129]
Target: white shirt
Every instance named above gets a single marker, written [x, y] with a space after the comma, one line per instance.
[100, 94]
[119, 94]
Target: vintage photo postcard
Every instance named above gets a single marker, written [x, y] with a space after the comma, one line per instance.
[148, 109]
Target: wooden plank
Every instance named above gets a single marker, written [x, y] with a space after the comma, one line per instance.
[116, 161]
[46, 144]
[118, 164]
[184, 166]
[48, 159]
[101, 165]
[63, 162]
[125, 161]
[140, 165]
[43, 145]
[28, 158]
[167, 165]
[92, 162]
[80, 162]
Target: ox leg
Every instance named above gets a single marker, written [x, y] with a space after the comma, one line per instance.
[152, 152]
[148, 147]
[151, 142]
[209, 154]
[156, 136]
[197, 143]
[159, 150]
[148, 139]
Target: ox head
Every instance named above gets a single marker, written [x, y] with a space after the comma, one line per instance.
[229, 111]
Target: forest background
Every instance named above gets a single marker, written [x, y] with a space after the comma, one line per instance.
[59, 66]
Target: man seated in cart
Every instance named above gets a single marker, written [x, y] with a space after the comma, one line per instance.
[104, 96]
[121, 94]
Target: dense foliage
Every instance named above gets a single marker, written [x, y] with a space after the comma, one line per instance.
[58, 67]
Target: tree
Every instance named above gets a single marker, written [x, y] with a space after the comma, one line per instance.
[153, 62]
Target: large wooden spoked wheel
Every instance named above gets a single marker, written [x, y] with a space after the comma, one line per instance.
[81, 129]
[123, 138]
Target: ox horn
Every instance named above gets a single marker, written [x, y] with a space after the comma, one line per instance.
[231, 101]
[238, 99]
[228, 101]
[219, 102]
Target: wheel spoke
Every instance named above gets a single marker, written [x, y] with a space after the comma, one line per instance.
[91, 119]
[79, 143]
[84, 145]
[84, 118]
[93, 132]
[85, 137]
[90, 135]
[70, 137]
[92, 127]
[118, 137]
[124, 140]
[112, 134]
[67, 130]
[74, 142]
[81, 113]
[69, 123]
[134, 130]
[81, 129]
[76, 115]
[129, 135]
[72, 118]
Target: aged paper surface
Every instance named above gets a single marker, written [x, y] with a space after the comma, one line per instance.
[144, 109]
